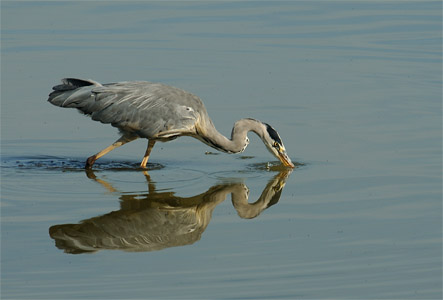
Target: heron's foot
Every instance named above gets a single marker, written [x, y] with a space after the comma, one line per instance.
[144, 162]
[90, 162]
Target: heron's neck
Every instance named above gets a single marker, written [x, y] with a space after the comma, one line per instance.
[239, 140]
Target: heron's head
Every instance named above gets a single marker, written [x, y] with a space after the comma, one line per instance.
[274, 144]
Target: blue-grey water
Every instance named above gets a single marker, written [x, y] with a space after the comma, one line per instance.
[354, 89]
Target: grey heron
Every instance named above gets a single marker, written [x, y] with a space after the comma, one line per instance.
[157, 112]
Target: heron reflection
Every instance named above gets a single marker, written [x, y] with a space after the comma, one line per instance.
[157, 220]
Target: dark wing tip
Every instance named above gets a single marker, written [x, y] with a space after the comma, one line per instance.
[76, 82]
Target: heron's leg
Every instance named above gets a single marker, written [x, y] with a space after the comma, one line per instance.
[151, 144]
[120, 142]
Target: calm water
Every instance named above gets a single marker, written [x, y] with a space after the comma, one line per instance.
[354, 89]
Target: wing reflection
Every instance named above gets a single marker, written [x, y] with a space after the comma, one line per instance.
[158, 220]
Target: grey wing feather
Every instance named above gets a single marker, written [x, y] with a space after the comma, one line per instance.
[147, 109]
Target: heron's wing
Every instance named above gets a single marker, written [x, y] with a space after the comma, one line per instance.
[147, 109]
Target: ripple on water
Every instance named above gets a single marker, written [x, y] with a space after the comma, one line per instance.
[254, 170]
[171, 177]
[43, 162]
[235, 174]
[273, 166]
[117, 169]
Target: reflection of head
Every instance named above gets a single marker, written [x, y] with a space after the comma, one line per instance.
[270, 196]
[154, 221]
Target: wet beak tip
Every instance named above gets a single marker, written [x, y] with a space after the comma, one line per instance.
[290, 164]
[286, 161]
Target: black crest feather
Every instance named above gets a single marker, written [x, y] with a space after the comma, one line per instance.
[273, 134]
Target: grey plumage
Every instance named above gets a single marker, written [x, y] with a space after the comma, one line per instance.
[149, 110]
[157, 112]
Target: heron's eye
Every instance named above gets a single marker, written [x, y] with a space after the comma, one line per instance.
[276, 145]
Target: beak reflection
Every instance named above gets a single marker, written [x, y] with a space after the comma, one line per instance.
[154, 220]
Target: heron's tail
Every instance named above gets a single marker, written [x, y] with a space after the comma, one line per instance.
[72, 92]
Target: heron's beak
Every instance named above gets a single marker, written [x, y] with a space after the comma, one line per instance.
[284, 158]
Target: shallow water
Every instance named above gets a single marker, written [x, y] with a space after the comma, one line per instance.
[354, 90]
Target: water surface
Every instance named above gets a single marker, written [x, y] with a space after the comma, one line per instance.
[353, 88]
